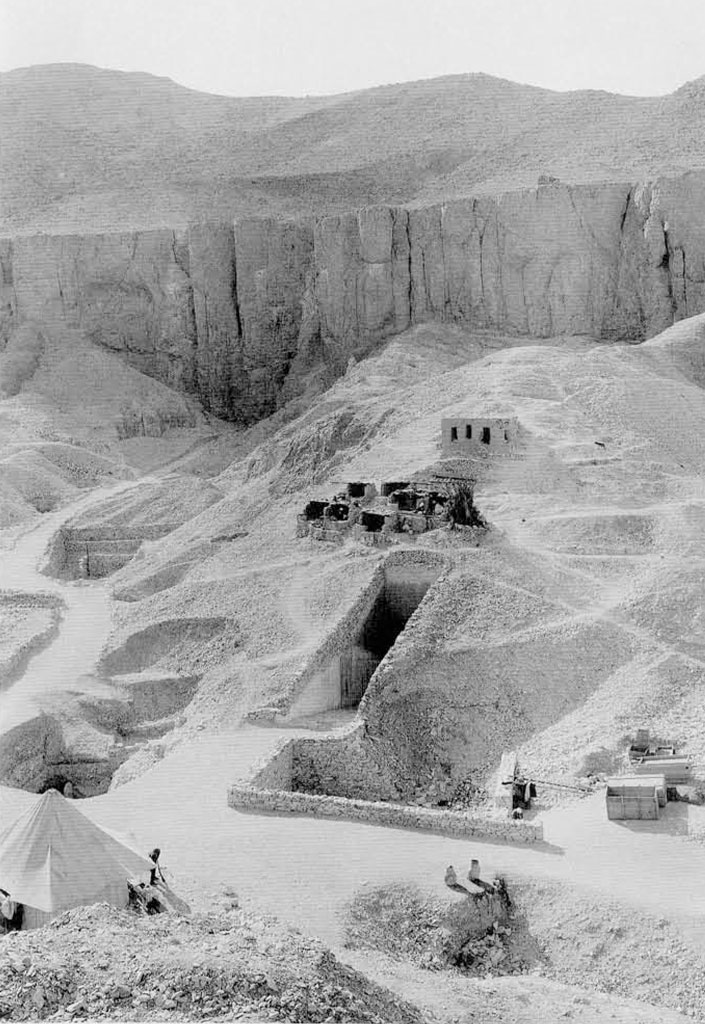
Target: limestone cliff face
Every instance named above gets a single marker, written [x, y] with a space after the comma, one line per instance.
[130, 293]
[613, 261]
[234, 312]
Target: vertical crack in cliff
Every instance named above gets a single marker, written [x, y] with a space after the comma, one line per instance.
[622, 257]
[625, 211]
[501, 317]
[407, 216]
[666, 265]
[181, 255]
[192, 333]
[447, 309]
[480, 238]
[233, 291]
[583, 224]
[236, 376]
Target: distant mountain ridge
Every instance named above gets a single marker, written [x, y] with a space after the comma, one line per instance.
[88, 149]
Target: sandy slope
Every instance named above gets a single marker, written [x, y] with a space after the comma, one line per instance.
[169, 154]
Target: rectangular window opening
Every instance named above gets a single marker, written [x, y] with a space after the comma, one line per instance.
[468, 431]
[454, 433]
[485, 435]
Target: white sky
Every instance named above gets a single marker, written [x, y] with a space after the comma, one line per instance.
[297, 47]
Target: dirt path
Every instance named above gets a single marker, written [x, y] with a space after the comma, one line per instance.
[69, 658]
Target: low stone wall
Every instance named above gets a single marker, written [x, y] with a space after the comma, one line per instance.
[95, 552]
[246, 797]
[333, 532]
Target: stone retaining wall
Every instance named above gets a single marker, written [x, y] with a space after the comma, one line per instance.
[272, 787]
[95, 552]
[448, 823]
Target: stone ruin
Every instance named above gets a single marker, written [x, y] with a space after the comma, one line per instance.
[400, 509]
[464, 435]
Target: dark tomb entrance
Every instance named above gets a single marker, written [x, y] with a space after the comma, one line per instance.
[395, 604]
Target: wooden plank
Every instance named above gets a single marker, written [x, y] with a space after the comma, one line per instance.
[675, 769]
[507, 774]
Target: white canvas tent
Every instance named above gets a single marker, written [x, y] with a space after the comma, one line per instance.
[53, 858]
[13, 804]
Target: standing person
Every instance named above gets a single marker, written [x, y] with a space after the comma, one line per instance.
[12, 913]
[156, 870]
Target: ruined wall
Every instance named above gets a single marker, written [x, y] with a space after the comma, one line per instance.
[95, 552]
[239, 313]
[270, 789]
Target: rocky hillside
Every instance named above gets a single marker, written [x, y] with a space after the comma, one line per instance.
[97, 150]
[250, 314]
[556, 636]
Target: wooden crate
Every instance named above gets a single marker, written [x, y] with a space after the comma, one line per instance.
[629, 798]
[630, 782]
[675, 769]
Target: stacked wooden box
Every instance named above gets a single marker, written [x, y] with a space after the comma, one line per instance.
[635, 797]
[675, 769]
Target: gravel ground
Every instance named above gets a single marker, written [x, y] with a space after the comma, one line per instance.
[102, 963]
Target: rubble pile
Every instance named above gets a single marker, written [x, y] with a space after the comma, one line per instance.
[410, 925]
[436, 789]
[101, 963]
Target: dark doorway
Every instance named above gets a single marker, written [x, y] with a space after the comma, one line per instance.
[315, 509]
[468, 432]
[372, 521]
[389, 486]
[485, 435]
[393, 607]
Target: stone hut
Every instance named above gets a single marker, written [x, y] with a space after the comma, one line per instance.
[464, 435]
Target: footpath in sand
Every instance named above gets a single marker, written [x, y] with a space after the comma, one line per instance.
[69, 658]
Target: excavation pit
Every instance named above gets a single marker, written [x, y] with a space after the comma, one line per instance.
[396, 602]
[340, 672]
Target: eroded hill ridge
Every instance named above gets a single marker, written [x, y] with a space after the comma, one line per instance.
[242, 313]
